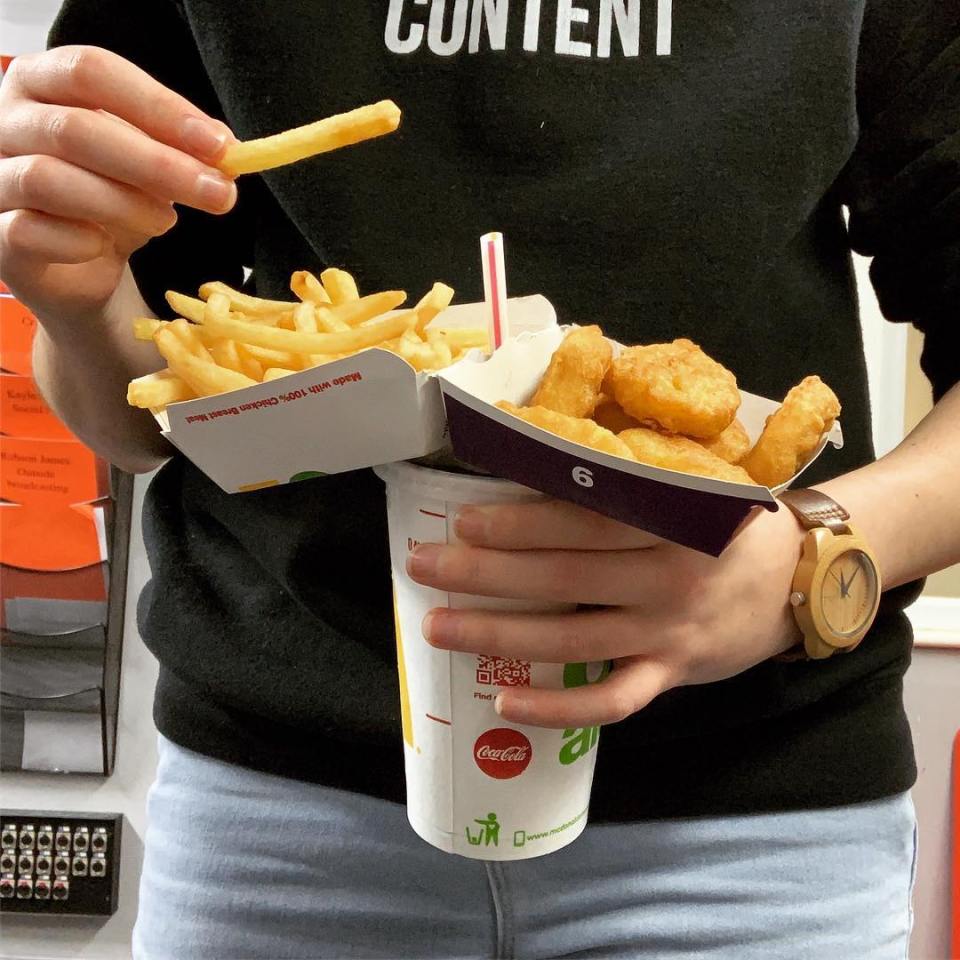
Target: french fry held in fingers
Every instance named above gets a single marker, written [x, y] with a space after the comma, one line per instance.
[342, 130]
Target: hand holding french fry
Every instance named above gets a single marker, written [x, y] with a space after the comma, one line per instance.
[93, 155]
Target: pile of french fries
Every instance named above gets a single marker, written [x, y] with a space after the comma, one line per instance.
[227, 340]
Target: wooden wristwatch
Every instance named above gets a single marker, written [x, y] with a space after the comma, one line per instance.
[836, 587]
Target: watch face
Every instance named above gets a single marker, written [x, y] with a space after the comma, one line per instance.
[849, 593]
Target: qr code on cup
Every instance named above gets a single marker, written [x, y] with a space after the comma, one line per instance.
[503, 672]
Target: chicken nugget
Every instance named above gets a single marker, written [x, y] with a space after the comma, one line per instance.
[611, 416]
[677, 386]
[680, 453]
[792, 433]
[732, 445]
[571, 384]
[571, 428]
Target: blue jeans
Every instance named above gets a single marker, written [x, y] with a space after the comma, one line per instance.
[244, 865]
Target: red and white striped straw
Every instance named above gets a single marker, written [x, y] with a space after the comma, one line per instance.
[495, 288]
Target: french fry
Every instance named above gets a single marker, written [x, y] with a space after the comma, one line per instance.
[189, 307]
[225, 353]
[305, 318]
[271, 358]
[355, 312]
[328, 323]
[244, 302]
[463, 338]
[340, 285]
[308, 288]
[322, 136]
[145, 327]
[218, 305]
[274, 373]
[252, 368]
[292, 341]
[227, 340]
[441, 349]
[190, 338]
[420, 355]
[437, 300]
[156, 390]
[202, 377]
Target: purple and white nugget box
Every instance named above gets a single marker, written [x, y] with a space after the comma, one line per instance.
[698, 512]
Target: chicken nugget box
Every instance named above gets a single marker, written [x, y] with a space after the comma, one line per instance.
[360, 411]
[698, 512]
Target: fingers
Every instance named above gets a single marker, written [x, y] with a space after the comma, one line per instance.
[545, 638]
[630, 687]
[53, 186]
[546, 525]
[81, 76]
[102, 144]
[554, 576]
[27, 236]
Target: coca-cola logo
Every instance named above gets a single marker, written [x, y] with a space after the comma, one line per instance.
[502, 753]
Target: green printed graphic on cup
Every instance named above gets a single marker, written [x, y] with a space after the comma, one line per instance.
[579, 741]
[489, 834]
[306, 475]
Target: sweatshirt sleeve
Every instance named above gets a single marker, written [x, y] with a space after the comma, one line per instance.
[902, 184]
[155, 35]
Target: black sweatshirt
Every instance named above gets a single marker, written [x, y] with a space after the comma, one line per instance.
[671, 176]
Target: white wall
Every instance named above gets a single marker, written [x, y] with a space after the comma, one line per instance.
[932, 698]
[31, 938]
[932, 685]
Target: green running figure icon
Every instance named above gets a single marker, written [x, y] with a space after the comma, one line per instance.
[489, 834]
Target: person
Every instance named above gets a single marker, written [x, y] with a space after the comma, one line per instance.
[665, 169]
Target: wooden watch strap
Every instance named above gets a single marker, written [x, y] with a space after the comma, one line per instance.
[815, 509]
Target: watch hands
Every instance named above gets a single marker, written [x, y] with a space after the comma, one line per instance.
[854, 577]
[844, 586]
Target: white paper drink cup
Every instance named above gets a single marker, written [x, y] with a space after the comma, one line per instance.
[476, 784]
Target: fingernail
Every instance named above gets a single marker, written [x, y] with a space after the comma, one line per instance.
[439, 627]
[201, 138]
[470, 523]
[215, 192]
[498, 703]
[422, 563]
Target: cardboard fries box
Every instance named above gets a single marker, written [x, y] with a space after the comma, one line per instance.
[698, 512]
[363, 410]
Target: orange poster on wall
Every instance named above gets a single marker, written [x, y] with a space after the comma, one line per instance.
[23, 412]
[17, 325]
[50, 472]
[53, 538]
